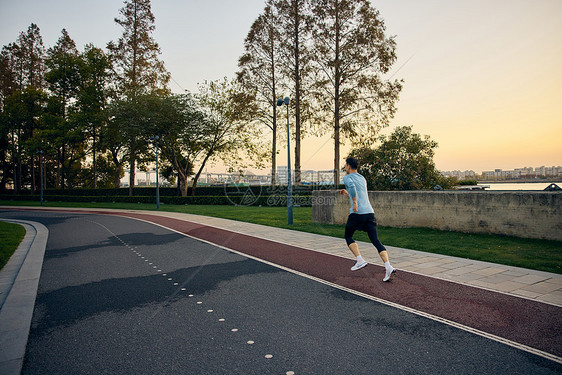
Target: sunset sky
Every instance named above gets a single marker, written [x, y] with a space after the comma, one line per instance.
[483, 78]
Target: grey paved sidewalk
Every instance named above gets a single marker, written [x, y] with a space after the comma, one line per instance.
[19, 280]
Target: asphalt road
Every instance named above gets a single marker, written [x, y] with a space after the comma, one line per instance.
[122, 296]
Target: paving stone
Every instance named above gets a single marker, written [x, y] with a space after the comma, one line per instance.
[461, 270]
[481, 284]
[499, 278]
[530, 279]
[435, 263]
[488, 271]
[555, 280]
[464, 278]
[507, 286]
[454, 264]
[554, 298]
[431, 270]
[542, 287]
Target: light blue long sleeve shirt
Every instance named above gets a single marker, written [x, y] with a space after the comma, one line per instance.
[356, 186]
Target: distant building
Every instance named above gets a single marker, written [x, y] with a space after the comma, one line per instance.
[282, 175]
[522, 173]
[460, 175]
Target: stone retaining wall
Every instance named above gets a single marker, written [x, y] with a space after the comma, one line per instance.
[528, 214]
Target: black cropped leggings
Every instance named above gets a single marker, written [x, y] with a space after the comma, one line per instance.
[366, 223]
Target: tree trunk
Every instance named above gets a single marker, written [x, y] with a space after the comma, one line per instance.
[182, 182]
[337, 106]
[18, 176]
[33, 177]
[274, 122]
[297, 177]
[116, 176]
[94, 150]
[274, 157]
[196, 178]
[131, 173]
[336, 153]
[58, 174]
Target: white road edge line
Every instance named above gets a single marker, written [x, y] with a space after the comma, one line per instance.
[451, 323]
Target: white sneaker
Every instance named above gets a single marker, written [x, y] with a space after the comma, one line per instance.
[358, 266]
[390, 272]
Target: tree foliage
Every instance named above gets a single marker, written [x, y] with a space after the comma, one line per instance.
[352, 53]
[91, 113]
[138, 69]
[330, 58]
[402, 161]
[135, 54]
[228, 132]
[258, 73]
[296, 22]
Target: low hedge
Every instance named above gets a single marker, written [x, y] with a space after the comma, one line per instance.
[230, 199]
[174, 192]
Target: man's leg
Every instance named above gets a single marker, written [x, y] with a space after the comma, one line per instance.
[371, 229]
[384, 256]
[354, 249]
[350, 228]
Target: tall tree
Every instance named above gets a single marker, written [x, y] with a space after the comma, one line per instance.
[92, 99]
[20, 116]
[113, 140]
[31, 63]
[138, 69]
[8, 87]
[63, 76]
[352, 53]
[296, 21]
[8, 82]
[129, 127]
[258, 74]
[21, 78]
[228, 131]
[182, 136]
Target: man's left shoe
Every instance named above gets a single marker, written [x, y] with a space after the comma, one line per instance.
[358, 266]
[390, 272]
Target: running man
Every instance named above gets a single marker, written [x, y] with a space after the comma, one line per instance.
[361, 217]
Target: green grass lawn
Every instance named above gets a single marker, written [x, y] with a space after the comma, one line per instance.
[10, 237]
[528, 253]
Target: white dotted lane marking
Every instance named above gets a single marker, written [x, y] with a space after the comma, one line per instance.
[290, 373]
[133, 249]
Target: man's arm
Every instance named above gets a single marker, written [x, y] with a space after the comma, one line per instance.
[355, 208]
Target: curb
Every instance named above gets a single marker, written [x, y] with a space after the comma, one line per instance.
[20, 280]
